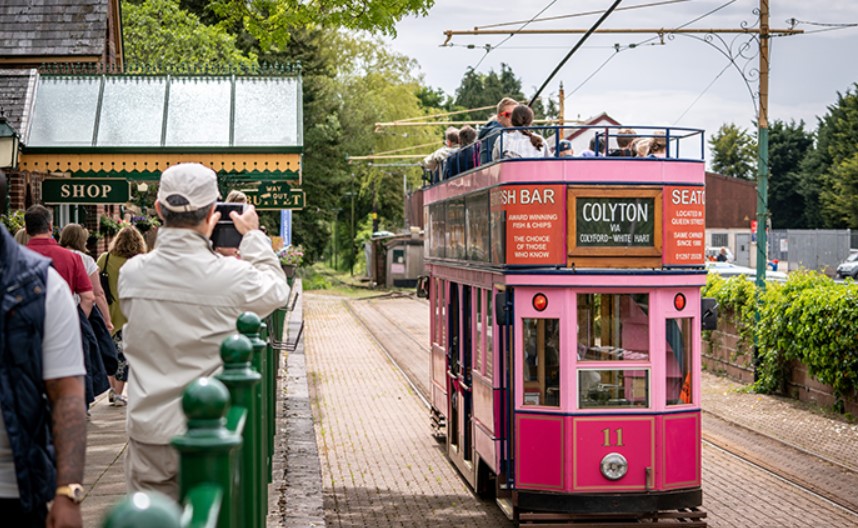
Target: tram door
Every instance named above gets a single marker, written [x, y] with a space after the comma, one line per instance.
[460, 411]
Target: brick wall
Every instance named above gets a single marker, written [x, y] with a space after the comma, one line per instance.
[725, 353]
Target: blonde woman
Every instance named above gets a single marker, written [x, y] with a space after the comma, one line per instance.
[73, 237]
[128, 243]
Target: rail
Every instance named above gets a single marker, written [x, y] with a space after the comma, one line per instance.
[225, 457]
[605, 142]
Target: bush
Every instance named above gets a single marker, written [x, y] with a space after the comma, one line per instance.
[13, 221]
[809, 318]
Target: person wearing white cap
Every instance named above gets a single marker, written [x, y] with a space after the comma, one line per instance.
[182, 300]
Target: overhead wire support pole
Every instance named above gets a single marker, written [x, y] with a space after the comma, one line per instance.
[762, 170]
[575, 48]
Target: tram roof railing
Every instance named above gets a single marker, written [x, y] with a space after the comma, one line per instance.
[673, 144]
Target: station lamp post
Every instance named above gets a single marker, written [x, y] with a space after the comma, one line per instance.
[9, 142]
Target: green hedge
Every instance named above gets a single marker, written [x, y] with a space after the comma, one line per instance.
[809, 318]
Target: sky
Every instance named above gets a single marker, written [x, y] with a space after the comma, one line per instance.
[681, 83]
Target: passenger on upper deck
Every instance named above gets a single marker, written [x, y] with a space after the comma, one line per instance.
[625, 137]
[652, 147]
[490, 132]
[565, 150]
[467, 157]
[521, 143]
[433, 161]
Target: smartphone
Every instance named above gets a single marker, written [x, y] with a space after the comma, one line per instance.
[225, 234]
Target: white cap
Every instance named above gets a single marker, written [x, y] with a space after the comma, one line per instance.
[194, 182]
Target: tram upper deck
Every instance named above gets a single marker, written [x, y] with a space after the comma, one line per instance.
[582, 213]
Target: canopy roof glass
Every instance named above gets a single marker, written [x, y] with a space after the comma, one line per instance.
[175, 113]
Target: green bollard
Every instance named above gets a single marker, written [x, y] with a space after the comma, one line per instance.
[249, 324]
[242, 380]
[272, 400]
[207, 452]
[144, 510]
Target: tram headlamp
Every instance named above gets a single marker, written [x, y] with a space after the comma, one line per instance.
[540, 302]
[679, 302]
[614, 466]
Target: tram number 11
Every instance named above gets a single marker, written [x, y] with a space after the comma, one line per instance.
[607, 438]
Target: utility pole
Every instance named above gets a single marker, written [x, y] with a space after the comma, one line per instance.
[763, 146]
[561, 111]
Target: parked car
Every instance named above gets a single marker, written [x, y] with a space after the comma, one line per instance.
[713, 252]
[726, 269]
[849, 267]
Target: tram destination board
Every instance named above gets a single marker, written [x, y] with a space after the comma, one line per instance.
[619, 222]
[606, 222]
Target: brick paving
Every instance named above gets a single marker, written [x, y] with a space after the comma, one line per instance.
[735, 492]
[380, 465]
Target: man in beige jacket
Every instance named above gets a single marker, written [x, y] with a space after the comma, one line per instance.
[181, 300]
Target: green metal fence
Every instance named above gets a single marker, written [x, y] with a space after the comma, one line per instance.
[225, 457]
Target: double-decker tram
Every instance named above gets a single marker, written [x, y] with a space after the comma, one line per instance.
[566, 330]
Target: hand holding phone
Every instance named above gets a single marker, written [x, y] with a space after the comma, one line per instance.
[225, 233]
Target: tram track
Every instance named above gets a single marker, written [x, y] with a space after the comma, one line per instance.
[815, 475]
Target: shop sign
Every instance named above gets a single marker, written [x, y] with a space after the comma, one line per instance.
[275, 196]
[85, 191]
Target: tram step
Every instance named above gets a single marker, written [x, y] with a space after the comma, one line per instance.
[505, 504]
[688, 518]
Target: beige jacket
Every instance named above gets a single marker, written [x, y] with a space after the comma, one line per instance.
[181, 301]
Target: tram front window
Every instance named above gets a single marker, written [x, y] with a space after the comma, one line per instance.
[541, 362]
[613, 327]
[678, 361]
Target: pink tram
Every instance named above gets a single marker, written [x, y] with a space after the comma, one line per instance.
[566, 331]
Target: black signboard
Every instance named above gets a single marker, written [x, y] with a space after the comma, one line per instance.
[615, 222]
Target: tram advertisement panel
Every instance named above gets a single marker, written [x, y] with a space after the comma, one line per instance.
[684, 225]
[535, 219]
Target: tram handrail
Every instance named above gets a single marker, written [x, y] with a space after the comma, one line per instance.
[673, 136]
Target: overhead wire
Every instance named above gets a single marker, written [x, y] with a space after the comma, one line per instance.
[490, 49]
[701, 94]
[636, 45]
[583, 13]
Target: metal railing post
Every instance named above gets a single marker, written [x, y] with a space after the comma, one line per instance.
[143, 510]
[271, 379]
[207, 452]
[249, 325]
[241, 380]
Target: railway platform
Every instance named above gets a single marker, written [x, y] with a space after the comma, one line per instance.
[354, 446]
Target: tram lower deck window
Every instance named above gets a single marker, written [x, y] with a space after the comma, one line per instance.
[600, 388]
[541, 367]
[613, 327]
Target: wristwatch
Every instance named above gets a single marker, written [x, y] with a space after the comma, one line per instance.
[75, 492]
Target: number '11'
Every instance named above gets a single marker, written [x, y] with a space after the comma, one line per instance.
[606, 442]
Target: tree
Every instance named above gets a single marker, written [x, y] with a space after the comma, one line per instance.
[477, 90]
[486, 89]
[160, 33]
[734, 152]
[272, 22]
[789, 144]
[836, 161]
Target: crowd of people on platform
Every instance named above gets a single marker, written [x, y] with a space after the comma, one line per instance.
[75, 327]
[508, 134]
